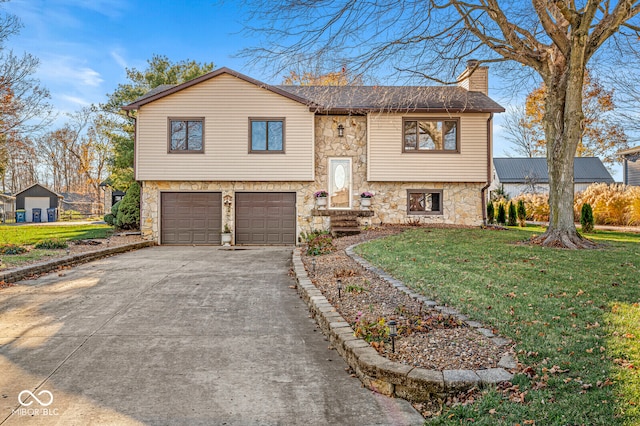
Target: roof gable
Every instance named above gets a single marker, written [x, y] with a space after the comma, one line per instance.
[352, 99]
[41, 186]
[525, 170]
[168, 89]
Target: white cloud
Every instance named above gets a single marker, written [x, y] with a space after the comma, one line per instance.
[118, 58]
[63, 70]
[74, 100]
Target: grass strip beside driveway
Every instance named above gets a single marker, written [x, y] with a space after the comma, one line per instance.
[573, 314]
[31, 234]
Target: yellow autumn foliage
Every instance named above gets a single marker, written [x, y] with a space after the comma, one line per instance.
[612, 204]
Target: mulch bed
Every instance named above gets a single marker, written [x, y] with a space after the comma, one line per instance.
[426, 337]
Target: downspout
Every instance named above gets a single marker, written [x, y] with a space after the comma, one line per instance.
[484, 188]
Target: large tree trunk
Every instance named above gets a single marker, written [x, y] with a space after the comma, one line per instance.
[563, 130]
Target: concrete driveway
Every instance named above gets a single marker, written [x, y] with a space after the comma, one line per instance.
[176, 335]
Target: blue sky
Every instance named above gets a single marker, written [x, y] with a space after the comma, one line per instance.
[84, 46]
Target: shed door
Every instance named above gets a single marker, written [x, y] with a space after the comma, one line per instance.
[41, 203]
[191, 218]
[265, 218]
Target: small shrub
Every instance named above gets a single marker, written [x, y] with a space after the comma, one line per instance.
[521, 211]
[586, 218]
[12, 249]
[306, 237]
[513, 220]
[491, 213]
[115, 207]
[371, 331]
[354, 288]
[110, 219]
[536, 206]
[322, 244]
[499, 195]
[128, 216]
[51, 244]
[501, 218]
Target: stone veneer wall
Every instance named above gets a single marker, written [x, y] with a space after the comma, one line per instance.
[150, 200]
[461, 201]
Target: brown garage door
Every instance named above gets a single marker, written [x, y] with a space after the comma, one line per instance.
[265, 218]
[191, 217]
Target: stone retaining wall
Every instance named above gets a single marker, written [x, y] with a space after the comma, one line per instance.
[388, 377]
[51, 265]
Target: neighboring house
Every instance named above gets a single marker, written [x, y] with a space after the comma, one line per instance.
[225, 149]
[530, 175]
[37, 197]
[631, 166]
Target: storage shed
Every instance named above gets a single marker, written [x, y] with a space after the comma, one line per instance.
[37, 197]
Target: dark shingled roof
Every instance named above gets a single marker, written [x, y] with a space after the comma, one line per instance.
[353, 99]
[522, 170]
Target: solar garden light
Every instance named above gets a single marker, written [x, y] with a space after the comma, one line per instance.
[68, 250]
[393, 332]
[313, 264]
[339, 282]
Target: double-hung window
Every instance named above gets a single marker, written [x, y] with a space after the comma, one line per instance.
[266, 135]
[430, 135]
[186, 135]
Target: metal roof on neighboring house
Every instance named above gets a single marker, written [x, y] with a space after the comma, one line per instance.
[527, 170]
[353, 99]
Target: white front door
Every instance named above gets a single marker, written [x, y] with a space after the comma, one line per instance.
[340, 183]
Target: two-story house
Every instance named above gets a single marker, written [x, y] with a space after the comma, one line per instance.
[225, 149]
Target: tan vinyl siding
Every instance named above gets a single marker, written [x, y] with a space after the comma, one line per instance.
[387, 162]
[226, 103]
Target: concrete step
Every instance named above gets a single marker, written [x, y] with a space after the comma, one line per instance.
[344, 231]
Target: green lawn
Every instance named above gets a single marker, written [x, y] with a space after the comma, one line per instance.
[575, 316]
[28, 235]
[31, 234]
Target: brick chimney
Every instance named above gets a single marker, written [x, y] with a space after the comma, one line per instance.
[475, 80]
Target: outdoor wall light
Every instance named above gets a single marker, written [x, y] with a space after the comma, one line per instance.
[340, 130]
[393, 332]
[339, 282]
[227, 200]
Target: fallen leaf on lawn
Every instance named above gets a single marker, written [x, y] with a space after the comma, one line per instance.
[492, 411]
[579, 293]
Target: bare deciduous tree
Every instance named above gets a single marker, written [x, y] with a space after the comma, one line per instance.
[524, 136]
[556, 39]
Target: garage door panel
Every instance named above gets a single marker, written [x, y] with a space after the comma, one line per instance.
[265, 217]
[191, 217]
